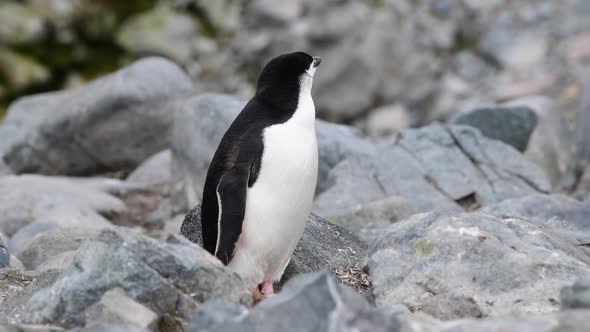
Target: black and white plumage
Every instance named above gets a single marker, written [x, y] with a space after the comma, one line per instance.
[261, 182]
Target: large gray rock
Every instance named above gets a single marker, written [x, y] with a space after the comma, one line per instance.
[66, 202]
[201, 122]
[112, 123]
[473, 265]
[511, 125]
[323, 245]
[314, 302]
[170, 278]
[433, 168]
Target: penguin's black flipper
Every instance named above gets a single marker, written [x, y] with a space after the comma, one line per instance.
[231, 198]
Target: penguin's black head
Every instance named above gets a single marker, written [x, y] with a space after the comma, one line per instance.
[284, 76]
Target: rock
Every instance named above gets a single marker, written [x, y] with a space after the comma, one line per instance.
[387, 121]
[156, 170]
[66, 202]
[361, 52]
[200, 124]
[275, 12]
[213, 313]
[50, 244]
[368, 220]
[8, 327]
[511, 125]
[19, 71]
[433, 168]
[571, 321]
[58, 262]
[510, 51]
[170, 278]
[25, 235]
[323, 245]
[550, 145]
[108, 327]
[112, 123]
[583, 124]
[18, 286]
[115, 307]
[20, 24]
[576, 296]
[4, 254]
[448, 307]
[321, 304]
[496, 266]
[161, 31]
[16, 263]
[556, 211]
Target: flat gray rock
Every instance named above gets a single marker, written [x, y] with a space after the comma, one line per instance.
[323, 245]
[496, 266]
[170, 278]
[434, 168]
[112, 123]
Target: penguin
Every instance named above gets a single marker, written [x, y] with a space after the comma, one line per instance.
[261, 182]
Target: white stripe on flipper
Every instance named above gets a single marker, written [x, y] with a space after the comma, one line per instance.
[218, 218]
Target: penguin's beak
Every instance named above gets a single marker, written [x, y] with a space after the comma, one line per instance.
[316, 61]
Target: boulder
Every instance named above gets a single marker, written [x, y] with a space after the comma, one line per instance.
[511, 125]
[320, 304]
[112, 123]
[170, 278]
[473, 265]
[201, 122]
[323, 245]
[433, 168]
[66, 202]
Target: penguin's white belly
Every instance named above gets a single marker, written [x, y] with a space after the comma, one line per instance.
[279, 203]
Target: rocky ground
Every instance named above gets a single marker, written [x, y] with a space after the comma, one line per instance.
[477, 222]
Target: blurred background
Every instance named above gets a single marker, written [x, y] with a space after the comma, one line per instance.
[389, 64]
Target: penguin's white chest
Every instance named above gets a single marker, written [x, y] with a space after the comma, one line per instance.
[279, 203]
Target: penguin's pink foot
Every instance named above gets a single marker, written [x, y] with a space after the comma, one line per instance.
[266, 289]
